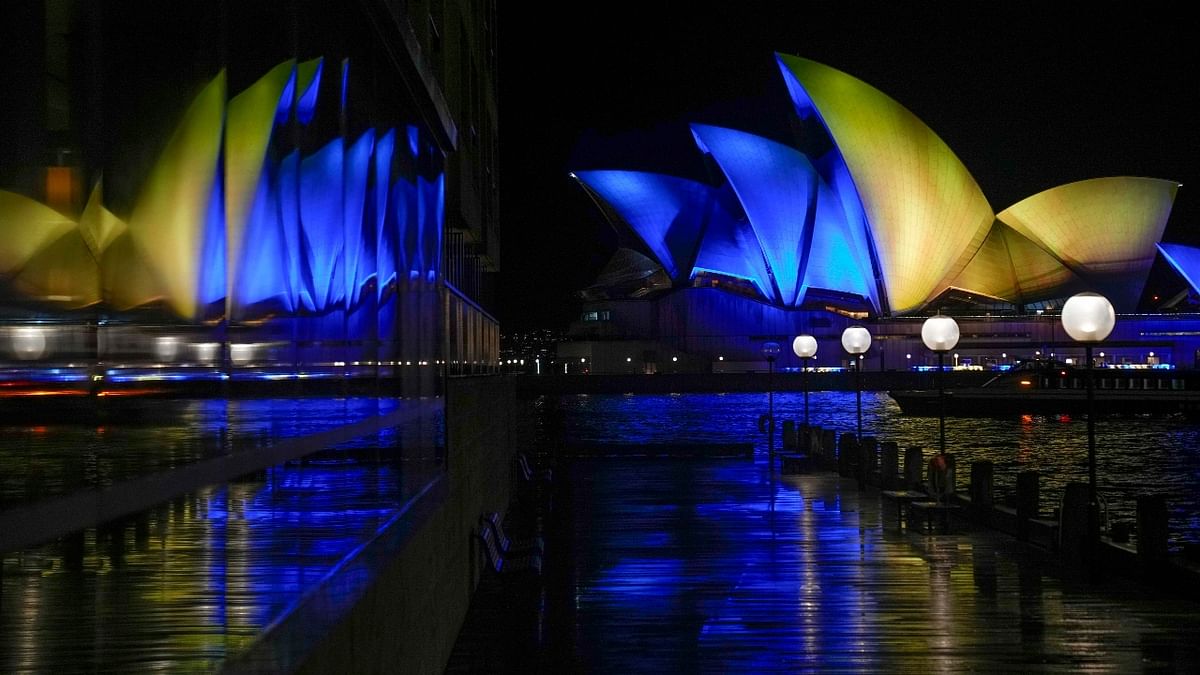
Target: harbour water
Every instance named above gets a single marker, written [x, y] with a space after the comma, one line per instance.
[1135, 455]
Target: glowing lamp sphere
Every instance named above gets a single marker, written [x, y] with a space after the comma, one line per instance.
[856, 340]
[770, 350]
[29, 342]
[166, 347]
[1088, 317]
[805, 346]
[940, 333]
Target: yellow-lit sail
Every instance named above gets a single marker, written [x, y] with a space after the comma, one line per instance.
[26, 226]
[65, 273]
[168, 219]
[98, 226]
[1103, 229]
[925, 211]
[1011, 267]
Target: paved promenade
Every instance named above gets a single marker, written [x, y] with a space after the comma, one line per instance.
[670, 566]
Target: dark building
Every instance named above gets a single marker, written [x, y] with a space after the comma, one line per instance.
[247, 263]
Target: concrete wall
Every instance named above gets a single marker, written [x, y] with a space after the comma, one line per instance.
[408, 621]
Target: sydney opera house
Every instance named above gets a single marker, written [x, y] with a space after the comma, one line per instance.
[866, 215]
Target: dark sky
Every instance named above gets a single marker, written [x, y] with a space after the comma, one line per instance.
[1028, 95]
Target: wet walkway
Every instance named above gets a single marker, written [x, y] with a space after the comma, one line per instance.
[670, 566]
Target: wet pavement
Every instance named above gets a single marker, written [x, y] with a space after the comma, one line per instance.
[690, 565]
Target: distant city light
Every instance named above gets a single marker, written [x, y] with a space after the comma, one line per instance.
[676, 358]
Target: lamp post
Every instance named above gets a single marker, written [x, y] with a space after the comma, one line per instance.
[856, 340]
[1089, 318]
[940, 335]
[805, 346]
[771, 350]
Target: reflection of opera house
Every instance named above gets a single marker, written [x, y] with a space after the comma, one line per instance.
[239, 249]
[868, 216]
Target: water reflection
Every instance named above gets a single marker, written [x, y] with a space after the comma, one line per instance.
[1136, 455]
[51, 459]
[185, 585]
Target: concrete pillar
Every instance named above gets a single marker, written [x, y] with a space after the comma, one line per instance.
[828, 444]
[73, 548]
[789, 436]
[914, 467]
[803, 438]
[1073, 522]
[847, 454]
[1028, 501]
[889, 465]
[981, 489]
[1151, 530]
[864, 462]
[869, 456]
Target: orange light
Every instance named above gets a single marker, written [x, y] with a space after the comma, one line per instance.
[1025, 383]
[130, 392]
[62, 188]
[43, 392]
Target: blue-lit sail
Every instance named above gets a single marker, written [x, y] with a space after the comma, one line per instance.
[306, 104]
[386, 247]
[1185, 260]
[266, 264]
[321, 225]
[211, 286]
[434, 196]
[287, 194]
[667, 213]
[840, 258]
[778, 189]
[358, 167]
[404, 206]
[729, 247]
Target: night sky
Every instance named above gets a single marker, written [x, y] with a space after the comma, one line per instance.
[1028, 96]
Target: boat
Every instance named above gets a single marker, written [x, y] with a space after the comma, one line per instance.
[1051, 387]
